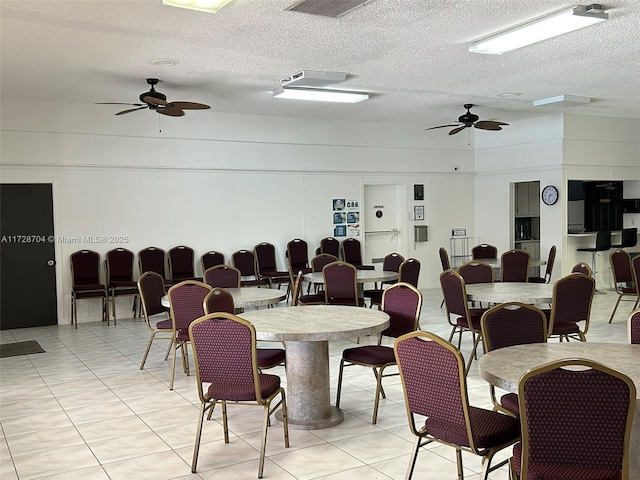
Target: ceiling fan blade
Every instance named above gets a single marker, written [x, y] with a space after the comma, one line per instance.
[154, 101]
[489, 124]
[131, 110]
[120, 103]
[171, 111]
[456, 130]
[443, 126]
[188, 105]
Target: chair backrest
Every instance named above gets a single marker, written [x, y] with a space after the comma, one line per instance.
[211, 259]
[571, 302]
[603, 240]
[151, 288]
[186, 299]
[629, 237]
[409, 272]
[245, 261]
[218, 300]
[575, 420]
[331, 246]
[476, 272]
[265, 256]
[85, 267]
[223, 276]
[484, 250]
[582, 268]
[511, 324]
[635, 270]
[351, 251]
[340, 283]
[298, 255]
[392, 262]
[514, 266]
[621, 266]
[633, 327]
[119, 263]
[152, 259]
[454, 293]
[402, 302]
[224, 351]
[434, 381]
[321, 260]
[181, 263]
[444, 259]
[551, 259]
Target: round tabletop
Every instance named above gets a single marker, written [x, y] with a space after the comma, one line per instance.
[496, 263]
[502, 292]
[362, 276]
[249, 296]
[315, 322]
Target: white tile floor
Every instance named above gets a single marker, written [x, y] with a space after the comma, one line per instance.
[83, 410]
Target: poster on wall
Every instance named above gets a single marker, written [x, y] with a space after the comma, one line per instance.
[346, 217]
[338, 204]
[340, 231]
[353, 230]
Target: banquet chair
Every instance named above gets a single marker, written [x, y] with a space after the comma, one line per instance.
[224, 350]
[267, 267]
[245, 261]
[623, 279]
[152, 288]
[222, 276]
[582, 268]
[633, 327]
[186, 304]
[549, 268]
[181, 264]
[402, 302]
[576, 422]
[298, 256]
[476, 271]
[514, 266]
[340, 285]
[409, 272]
[220, 300]
[509, 324]
[310, 299]
[435, 386]
[331, 246]
[211, 259]
[391, 263]
[628, 239]
[445, 263]
[120, 282]
[318, 263]
[153, 259]
[85, 279]
[352, 253]
[461, 318]
[570, 306]
[484, 251]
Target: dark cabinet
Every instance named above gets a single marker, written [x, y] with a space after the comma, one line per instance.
[603, 206]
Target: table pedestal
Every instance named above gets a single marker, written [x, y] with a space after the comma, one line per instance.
[308, 389]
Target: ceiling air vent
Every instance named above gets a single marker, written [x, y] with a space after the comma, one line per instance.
[328, 8]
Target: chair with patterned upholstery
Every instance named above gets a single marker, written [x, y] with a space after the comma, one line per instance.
[186, 301]
[570, 306]
[245, 261]
[582, 268]
[85, 279]
[222, 276]
[220, 300]
[461, 318]
[224, 349]
[331, 246]
[514, 266]
[152, 289]
[623, 279]
[153, 259]
[340, 286]
[391, 263]
[298, 256]
[181, 264]
[549, 268]
[409, 272]
[297, 298]
[506, 325]
[210, 259]
[437, 403]
[402, 302]
[351, 250]
[318, 263]
[119, 274]
[267, 267]
[633, 327]
[476, 271]
[484, 251]
[576, 419]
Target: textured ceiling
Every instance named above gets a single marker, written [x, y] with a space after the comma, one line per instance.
[411, 55]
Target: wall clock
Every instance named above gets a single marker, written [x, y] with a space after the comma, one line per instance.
[549, 195]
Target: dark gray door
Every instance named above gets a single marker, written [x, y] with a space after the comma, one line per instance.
[27, 256]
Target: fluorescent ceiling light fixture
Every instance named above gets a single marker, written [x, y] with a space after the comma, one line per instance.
[562, 101]
[320, 95]
[209, 6]
[540, 29]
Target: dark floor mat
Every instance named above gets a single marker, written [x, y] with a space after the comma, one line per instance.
[20, 348]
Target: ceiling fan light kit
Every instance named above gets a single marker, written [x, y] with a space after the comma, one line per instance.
[319, 94]
[208, 6]
[548, 26]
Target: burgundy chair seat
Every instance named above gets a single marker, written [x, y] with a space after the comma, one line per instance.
[536, 280]
[261, 282]
[630, 290]
[565, 328]
[365, 267]
[375, 295]
[510, 402]
[490, 428]
[476, 315]
[312, 298]
[244, 391]
[270, 357]
[276, 275]
[88, 287]
[369, 355]
[182, 335]
[346, 301]
[165, 325]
